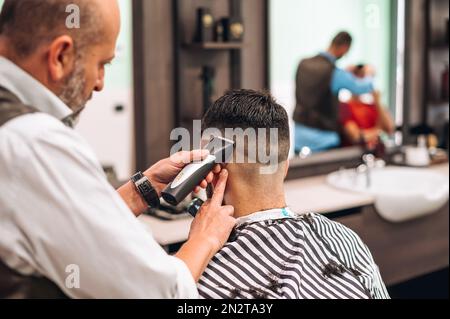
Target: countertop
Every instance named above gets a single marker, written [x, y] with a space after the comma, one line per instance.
[304, 195]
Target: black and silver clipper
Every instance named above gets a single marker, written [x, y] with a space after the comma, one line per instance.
[221, 150]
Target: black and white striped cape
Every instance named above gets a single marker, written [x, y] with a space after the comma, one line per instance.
[292, 257]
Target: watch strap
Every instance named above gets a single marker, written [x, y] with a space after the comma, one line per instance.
[146, 190]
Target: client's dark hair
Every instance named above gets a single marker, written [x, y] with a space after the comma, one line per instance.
[243, 109]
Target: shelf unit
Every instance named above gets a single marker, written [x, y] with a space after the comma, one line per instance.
[436, 51]
[214, 46]
[435, 108]
[190, 57]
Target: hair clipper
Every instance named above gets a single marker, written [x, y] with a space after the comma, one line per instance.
[221, 150]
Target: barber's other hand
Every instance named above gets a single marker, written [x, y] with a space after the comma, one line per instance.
[370, 71]
[164, 172]
[214, 222]
[351, 68]
[377, 97]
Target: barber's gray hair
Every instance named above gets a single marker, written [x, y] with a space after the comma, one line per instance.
[28, 24]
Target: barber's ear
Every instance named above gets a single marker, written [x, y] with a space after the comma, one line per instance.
[61, 57]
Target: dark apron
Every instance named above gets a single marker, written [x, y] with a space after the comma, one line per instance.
[12, 284]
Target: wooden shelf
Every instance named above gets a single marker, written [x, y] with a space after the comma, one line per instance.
[215, 46]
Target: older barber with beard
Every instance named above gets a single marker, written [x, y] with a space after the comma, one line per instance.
[56, 207]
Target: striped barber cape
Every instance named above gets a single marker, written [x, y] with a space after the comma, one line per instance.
[277, 254]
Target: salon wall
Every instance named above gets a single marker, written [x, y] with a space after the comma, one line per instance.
[108, 121]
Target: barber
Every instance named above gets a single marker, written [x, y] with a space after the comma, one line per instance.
[58, 213]
[318, 84]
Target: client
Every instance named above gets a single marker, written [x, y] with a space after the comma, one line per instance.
[364, 122]
[275, 252]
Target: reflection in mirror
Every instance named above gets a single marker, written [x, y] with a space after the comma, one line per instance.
[334, 67]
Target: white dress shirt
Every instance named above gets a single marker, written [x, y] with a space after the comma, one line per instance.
[58, 212]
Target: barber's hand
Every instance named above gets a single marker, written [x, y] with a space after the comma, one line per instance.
[370, 71]
[351, 68]
[164, 172]
[377, 97]
[371, 137]
[214, 222]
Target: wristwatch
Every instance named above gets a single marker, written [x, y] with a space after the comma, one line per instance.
[146, 189]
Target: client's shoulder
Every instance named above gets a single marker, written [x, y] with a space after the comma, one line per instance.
[340, 238]
[349, 249]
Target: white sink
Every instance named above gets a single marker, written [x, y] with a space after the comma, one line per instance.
[400, 194]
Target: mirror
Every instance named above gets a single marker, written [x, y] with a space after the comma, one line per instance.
[299, 30]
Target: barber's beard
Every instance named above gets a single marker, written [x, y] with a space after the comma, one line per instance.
[72, 93]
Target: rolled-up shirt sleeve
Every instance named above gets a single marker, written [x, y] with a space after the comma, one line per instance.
[69, 225]
[345, 80]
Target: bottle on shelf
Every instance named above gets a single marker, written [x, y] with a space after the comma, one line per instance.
[205, 26]
[232, 28]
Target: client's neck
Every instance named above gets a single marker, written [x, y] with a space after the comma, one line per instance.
[332, 51]
[247, 199]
